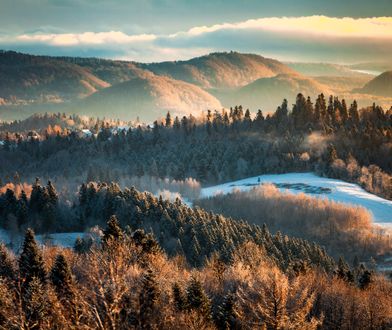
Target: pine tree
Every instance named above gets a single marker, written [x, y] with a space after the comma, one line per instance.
[30, 262]
[22, 210]
[7, 269]
[227, 314]
[178, 297]
[148, 298]
[113, 231]
[197, 298]
[61, 278]
[35, 304]
[365, 279]
[52, 193]
[343, 270]
[168, 121]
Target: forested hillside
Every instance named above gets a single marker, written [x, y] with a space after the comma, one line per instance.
[326, 136]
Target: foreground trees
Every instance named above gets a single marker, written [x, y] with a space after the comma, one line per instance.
[118, 285]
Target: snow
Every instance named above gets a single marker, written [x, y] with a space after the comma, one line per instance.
[66, 240]
[87, 132]
[309, 183]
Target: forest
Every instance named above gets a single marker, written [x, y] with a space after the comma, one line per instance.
[126, 281]
[258, 259]
[327, 137]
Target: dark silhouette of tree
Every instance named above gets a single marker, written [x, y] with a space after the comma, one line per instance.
[179, 298]
[197, 298]
[113, 231]
[31, 264]
[61, 278]
[148, 298]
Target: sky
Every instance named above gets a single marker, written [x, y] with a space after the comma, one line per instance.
[158, 30]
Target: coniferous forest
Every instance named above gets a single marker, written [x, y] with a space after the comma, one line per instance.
[232, 261]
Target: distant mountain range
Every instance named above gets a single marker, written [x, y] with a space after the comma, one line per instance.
[126, 90]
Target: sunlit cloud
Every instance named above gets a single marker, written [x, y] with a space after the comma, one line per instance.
[376, 27]
[86, 38]
[311, 38]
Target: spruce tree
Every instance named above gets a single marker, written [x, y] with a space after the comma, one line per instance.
[227, 314]
[30, 262]
[35, 304]
[197, 298]
[7, 269]
[52, 193]
[148, 298]
[113, 231]
[365, 279]
[22, 210]
[61, 278]
[178, 297]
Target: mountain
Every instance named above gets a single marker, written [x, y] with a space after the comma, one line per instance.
[323, 69]
[113, 72]
[374, 68]
[27, 79]
[148, 97]
[340, 85]
[267, 93]
[221, 70]
[380, 85]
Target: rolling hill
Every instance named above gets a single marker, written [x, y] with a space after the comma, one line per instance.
[125, 89]
[148, 97]
[323, 69]
[221, 70]
[267, 93]
[380, 85]
[27, 79]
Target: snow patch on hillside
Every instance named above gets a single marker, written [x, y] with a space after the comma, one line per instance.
[66, 240]
[311, 184]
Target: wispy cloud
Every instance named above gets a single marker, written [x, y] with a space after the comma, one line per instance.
[86, 38]
[376, 27]
[308, 38]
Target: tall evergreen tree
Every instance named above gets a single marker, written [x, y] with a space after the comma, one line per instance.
[35, 304]
[227, 314]
[113, 231]
[30, 261]
[197, 298]
[178, 297]
[7, 268]
[61, 278]
[148, 298]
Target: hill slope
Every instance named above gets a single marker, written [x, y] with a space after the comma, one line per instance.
[323, 69]
[39, 79]
[221, 70]
[381, 85]
[148, 97]
[267, 93]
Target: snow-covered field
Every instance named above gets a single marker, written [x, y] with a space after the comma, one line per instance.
[309, 183]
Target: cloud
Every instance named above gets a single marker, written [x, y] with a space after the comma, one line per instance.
[376, 27]
[311, 38]
[86, 38]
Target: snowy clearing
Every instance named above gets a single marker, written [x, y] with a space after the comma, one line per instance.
[311, 184]
[66, 240]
